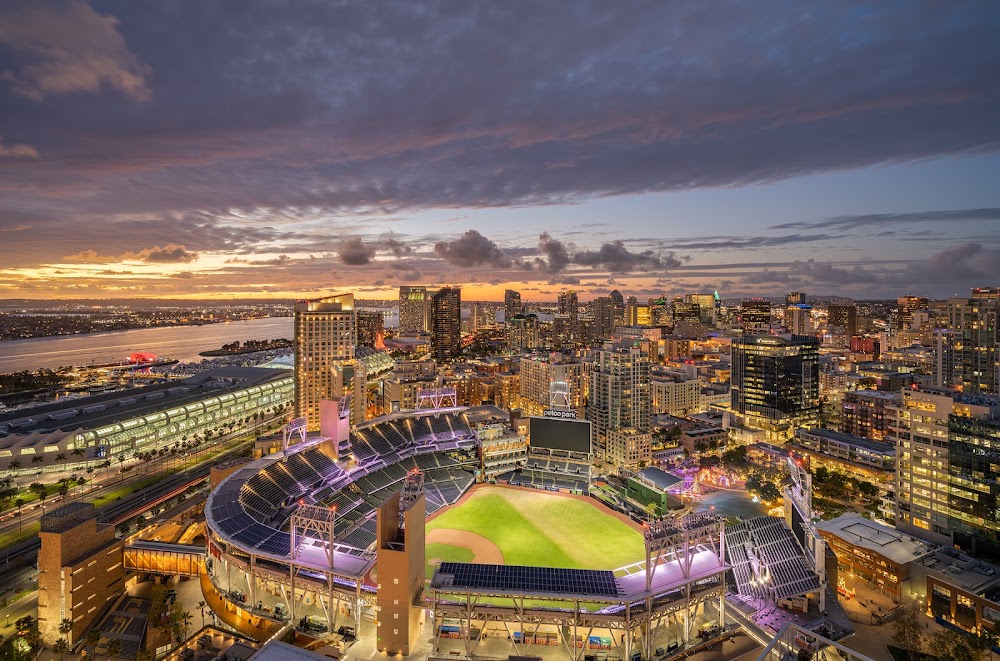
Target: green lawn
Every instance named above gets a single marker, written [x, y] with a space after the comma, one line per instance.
[540, 529]
[446, 553]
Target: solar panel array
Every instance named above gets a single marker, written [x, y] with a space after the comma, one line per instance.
[519, 579]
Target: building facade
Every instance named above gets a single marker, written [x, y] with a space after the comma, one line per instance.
[775, 382]
[414, 306]
[619, 396]
[325, 337]
[512, 304]
[446, 324]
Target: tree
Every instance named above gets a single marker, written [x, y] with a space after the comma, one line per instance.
[61, 647]
[66, 628]
[908, 631]
[37, 459]
[143, 655]
[91, 639]
[19, 502]
[64, 487]
[114, 648]
[14, 466]
[202, 605]
[950, 645]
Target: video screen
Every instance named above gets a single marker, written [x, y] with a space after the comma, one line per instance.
[560, 434]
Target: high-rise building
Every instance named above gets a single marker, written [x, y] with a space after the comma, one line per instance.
[619, 303]
[682, 310]
[708, 307]
[797, 318]
[906, 305]
[921, 427]
[325, 337]
[604, 317]
[864, 413]
[844, 317]
[974, 477]
[523, 333]
[371, 327]
[775, 382]
[478, 317]
[413, 309]
[660, 311]
[446, 324]
[637, 314]
[795, 298]
[619, 397]
[968, 351]
[569, 304]
[540, 371]
[512, 304]
[755, 316]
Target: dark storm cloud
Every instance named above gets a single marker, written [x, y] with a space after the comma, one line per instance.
[155, 108]
[556, 255]
[744, 243]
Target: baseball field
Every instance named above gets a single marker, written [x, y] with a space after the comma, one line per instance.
[504, 525]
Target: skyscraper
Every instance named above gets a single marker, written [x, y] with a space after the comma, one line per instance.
[619, 401]
[775, 382]
[604, 317]
[523, 333]
[325, 337]
[905, 306]
[795, 298]
[511, 304]
[843, 316]
[446, 323]
[371, 327]
[969, 346]
[797, 318]
[755, 316]
[413, 308]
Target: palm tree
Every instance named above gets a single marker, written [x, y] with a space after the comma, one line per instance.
[61, 647]
[14, 466]
[202, 605]
[114, 648]
[37, 459]
[61, 457]
[66, 628]
[79, 452]
[64, 488]
[19, 502]
[91, 640]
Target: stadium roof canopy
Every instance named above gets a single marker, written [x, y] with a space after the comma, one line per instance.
[516, 579]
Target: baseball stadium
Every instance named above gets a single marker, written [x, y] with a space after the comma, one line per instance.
[447, 522]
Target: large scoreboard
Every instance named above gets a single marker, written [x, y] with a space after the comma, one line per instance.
[560, 434]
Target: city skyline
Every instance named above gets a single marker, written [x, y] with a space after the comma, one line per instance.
[837, 150]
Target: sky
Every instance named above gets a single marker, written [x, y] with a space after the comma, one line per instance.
[293, 149]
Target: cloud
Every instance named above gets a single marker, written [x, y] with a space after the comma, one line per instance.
[556, 255]
[616, 258]
[966, 262]
[471, 249]
[355, 252]
[67, 47]
[168, 254]
[880, 220]
[18, 151]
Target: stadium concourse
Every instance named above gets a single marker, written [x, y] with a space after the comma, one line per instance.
[292, 538]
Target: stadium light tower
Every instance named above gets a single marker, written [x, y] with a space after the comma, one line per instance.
[559, 396]
[294, 426]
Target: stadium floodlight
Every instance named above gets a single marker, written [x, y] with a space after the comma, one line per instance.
[294, 426]
[319, 521]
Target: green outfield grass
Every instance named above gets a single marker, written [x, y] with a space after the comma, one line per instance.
[540, 529]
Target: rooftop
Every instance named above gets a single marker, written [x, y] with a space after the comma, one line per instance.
[658, 477]
[109, 408]
[887, 542]
[841, 437]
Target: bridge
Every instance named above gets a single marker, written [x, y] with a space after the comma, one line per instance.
[160, 558]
